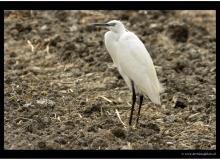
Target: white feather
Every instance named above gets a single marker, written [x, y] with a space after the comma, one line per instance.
[134, 63]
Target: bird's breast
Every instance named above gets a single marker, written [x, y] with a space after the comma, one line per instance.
[111, 46]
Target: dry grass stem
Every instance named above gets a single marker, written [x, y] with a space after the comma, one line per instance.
[106, 99]
[116, 111]
[31, 45]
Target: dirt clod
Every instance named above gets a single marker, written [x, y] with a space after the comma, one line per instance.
[119, 132]
[42, 145]
[180, 103]
[178, 32]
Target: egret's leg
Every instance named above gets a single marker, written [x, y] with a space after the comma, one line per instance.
[139, 110]
[133, 101]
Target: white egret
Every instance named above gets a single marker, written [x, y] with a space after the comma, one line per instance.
[133, 62]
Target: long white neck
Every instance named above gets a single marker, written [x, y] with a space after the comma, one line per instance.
[118, 34]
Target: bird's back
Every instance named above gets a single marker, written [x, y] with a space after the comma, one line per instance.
[136, 63]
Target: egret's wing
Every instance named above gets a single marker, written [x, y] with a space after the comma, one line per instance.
[137, 64]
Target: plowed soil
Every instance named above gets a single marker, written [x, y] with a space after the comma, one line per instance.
[61, 90]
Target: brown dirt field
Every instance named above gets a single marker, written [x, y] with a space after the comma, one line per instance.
[61, 91]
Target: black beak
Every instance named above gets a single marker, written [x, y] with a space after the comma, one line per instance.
[102, 24]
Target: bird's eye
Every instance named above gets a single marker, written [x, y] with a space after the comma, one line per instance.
[112, 24]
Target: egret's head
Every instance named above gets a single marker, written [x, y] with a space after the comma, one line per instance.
[114, 26]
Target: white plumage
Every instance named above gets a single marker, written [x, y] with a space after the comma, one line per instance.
[133, 61]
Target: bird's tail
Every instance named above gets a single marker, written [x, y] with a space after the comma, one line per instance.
[155, 98]
[161, 88]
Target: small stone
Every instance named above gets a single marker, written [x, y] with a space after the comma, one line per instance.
[44, 27]
[170, 143]
[153, 25]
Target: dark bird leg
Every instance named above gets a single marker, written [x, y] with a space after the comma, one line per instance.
[133, 102]
[139, 110]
